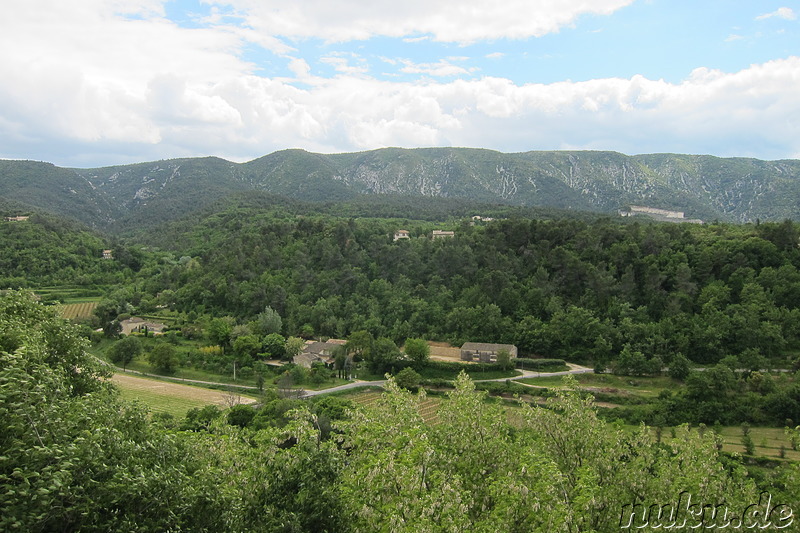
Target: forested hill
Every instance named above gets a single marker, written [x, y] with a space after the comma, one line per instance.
[117, 198]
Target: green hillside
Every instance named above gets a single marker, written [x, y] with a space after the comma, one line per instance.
[127, 197]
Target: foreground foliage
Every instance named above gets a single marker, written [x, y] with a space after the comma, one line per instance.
[74, 457]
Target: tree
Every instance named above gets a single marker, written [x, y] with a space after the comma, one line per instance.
[75, 457]
[124, 350]
[164, 357]
[418, 351]
[359, 344]
[240, 415]
[293, 346]
[269, 321]
[247, 345]
[219, 331]
[274, 345]
[679, 367]
[408, 378]
[383, 356]
[504, 359]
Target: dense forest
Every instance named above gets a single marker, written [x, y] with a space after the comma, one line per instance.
[46, 250]
[77, 458]
[581, 290]
[632, 297]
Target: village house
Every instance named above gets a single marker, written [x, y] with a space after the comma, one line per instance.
[401, 234]
[485, 352]
[108, 254]
[136, 324]
[318, 352]
[439, 234]
[16, 219]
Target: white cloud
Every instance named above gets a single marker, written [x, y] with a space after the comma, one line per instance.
[461, 21]
[342, 63]
[85, 80]
[786, 13]
[442, 68]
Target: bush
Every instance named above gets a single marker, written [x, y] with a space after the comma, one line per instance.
[497, 388]
[541, 365]
[408, 378]
[241, 415]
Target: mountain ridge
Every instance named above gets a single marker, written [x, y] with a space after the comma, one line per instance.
[734, 189]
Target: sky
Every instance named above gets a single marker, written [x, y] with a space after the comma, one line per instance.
[88, 83]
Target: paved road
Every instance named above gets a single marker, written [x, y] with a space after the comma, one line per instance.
[574, 369]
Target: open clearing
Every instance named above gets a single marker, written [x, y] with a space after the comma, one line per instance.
[173, 398]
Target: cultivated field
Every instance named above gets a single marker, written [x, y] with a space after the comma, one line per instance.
[172, 398]
[428, 409]
[77, 311]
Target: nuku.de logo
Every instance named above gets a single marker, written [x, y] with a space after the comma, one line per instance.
[683, 514]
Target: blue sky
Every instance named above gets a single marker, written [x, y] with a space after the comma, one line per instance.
[95, 82]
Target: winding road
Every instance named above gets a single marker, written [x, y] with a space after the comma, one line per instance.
[574, 369]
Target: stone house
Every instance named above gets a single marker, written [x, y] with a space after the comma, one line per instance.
[485, 352]
[317, 352]
[136, 324]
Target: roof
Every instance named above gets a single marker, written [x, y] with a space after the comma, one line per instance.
[488, 347]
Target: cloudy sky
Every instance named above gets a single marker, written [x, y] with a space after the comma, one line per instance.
[86, 83]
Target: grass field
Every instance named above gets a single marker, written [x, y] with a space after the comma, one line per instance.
[172, 398]
[648, 387]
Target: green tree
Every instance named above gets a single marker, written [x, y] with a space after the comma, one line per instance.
[383, 355]
[418, 351]
[219, 331]
[267, 322]
[124, 350]
[77, 458]
[292, 347]
[359, 344]
[274, 345]
[247, 345]
[408, 378]
[679, 367]
[164, 357]
[240, 415]
[504, 359]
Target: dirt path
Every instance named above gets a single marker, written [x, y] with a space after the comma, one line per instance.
[176, 390]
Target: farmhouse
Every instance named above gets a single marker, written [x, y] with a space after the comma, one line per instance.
[439, 234]
[485, 352]
[140, 325]
[16, 219]
[108, 254]
[317, 352]
[401, 234]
